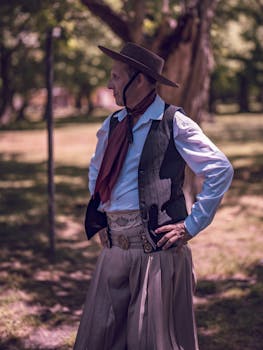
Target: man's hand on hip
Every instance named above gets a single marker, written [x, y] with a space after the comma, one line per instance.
[173, 234]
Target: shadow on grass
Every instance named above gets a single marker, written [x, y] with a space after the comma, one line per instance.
[54, 289]
[247, 177]
[14, 343]
[229, 312]
[236, 132]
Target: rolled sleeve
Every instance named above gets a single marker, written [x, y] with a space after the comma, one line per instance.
[205, 160]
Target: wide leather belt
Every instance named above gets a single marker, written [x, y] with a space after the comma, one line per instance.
[120, 220]
[125, 231]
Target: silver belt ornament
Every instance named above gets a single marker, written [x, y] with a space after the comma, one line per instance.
[123, 242]
[147, 247]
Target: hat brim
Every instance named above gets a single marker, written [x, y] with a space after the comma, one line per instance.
[138, 65]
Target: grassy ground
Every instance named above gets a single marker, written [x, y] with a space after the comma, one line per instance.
[41, 300]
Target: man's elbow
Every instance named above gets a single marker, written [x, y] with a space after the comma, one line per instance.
[229, 171]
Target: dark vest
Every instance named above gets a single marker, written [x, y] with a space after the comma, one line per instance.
[160, 181]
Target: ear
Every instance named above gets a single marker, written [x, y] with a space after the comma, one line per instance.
[141, 79]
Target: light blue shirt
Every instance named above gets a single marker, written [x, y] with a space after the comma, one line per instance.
[201, 155]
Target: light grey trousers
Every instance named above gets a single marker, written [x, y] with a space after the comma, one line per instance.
[139, 301]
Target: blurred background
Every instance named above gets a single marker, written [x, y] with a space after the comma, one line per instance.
[53, 98]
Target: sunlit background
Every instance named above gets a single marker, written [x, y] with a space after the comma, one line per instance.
[214, 49]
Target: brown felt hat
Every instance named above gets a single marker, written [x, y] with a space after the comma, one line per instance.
[142, 59]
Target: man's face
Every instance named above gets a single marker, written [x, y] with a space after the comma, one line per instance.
[118, 79]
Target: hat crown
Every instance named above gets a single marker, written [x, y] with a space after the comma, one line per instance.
[142, 59]
[144, 56]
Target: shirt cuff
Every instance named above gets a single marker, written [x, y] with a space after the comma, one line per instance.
[190, 226]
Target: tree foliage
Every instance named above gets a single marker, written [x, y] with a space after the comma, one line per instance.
[238, 48]
[180, 31]
[79, 66]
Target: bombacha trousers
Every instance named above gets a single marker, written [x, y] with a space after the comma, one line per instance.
[139, 301]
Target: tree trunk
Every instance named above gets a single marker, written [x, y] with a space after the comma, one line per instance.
[243, 96]
[6, 91]
[21, 112]
[260, 98]
[191, 61]
[212, 100]
[78, 100]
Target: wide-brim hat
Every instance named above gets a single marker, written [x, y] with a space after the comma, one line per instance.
[141, 59]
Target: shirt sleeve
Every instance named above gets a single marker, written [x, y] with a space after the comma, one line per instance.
[205, 160]
[96, 159]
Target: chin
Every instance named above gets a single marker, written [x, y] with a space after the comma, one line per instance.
[118, 102]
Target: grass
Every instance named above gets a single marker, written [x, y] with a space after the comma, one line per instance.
[41, 300]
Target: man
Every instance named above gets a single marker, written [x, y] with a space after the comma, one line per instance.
[140, 297]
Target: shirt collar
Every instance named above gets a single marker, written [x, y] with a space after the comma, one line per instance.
[154, 111]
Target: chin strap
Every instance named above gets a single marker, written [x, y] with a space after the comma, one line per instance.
[127, 86]
[137, 110]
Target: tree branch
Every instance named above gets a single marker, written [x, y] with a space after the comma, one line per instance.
[166, 27]
[165, 6]
[182, 33]
[187, 24]
[137, 23]
[118, 25]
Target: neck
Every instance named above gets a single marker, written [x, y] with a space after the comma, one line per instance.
[141, 107]
[135, 113]
[133, 104]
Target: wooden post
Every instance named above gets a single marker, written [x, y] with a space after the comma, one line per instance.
[49, 118]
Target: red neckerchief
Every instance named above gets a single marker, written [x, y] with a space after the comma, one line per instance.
[117, 149]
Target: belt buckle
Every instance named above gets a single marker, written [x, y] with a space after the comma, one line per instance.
[123, 242]
[104, 238]
[147, 247]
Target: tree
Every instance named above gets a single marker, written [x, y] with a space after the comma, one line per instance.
[78, 64]
[21, 37]
[238, 49]
[251, 71]
[12, 29]
[178, 31]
